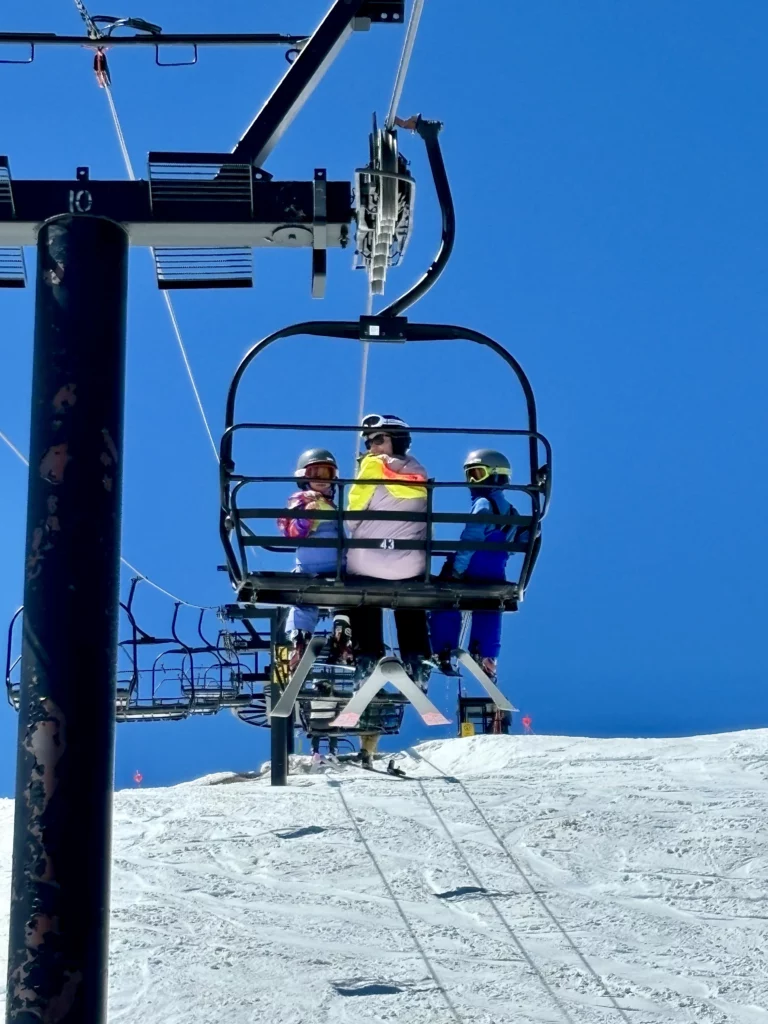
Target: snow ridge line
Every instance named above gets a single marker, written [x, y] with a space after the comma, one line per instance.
[417, 755]
[409, 927]
[506, 925]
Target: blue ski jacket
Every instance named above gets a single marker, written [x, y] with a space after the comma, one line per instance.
[485, 565]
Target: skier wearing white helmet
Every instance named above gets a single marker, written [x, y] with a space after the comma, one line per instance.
[387, 440]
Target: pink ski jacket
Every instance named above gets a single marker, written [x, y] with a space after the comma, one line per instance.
[404, 492]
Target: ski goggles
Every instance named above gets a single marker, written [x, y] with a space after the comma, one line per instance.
[477, 474]
[320, 471]
[376, 439]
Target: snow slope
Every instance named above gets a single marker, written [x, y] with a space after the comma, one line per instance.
[351, 897]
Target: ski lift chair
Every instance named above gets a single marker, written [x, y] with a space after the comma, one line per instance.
[253, 583]
[201, 680]
[239, 519]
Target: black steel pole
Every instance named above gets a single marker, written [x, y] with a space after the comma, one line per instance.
[291, 737]
[279, 730]
[278, 727]
[59, 927]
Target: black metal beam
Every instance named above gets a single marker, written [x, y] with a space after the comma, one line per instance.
[59, 925]
[282, 214]
[163, 39]
[298, 83]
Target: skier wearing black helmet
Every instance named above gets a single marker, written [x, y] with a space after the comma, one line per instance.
[316, 472]
[487, 472]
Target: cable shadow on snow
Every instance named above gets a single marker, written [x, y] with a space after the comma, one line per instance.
[622, 1011]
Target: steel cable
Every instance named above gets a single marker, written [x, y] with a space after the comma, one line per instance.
[405, 61]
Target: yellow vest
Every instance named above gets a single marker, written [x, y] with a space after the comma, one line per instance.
[374, 467]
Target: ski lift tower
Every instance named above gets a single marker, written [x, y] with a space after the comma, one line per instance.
[202, 214]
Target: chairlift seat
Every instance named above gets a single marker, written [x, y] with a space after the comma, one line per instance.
[290, 588]
[153, 712]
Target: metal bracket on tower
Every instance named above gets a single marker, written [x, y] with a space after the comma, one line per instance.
[320, 234]
[13, 271]
[384, 11]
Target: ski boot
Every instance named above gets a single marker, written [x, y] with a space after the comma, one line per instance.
[442, 661]
[341, 652]
[419, 669]
[298, 640]
[364, 665]
[368, 744]
[489, 665]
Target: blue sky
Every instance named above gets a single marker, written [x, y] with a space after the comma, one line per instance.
[608, 162]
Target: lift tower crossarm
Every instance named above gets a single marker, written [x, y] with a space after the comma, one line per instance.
[158, 39]
[280, 214]
[298, 83]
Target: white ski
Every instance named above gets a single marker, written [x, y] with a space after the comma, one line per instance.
[498, 698]
[360, 700]
[284, 707]
[388, 670]
[397, 675]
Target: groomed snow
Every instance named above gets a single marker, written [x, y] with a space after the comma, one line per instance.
[359, 899]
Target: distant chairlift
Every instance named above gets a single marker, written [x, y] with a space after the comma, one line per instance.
[186, 679]
[182, 679]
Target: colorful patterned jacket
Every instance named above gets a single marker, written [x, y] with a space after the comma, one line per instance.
[311, 560]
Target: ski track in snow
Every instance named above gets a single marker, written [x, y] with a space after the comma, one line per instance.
[246, 903]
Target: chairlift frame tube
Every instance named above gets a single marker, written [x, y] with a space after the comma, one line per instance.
[430, 131]
[9, 666]
[133, 643]
[189, 653]
[59, 920]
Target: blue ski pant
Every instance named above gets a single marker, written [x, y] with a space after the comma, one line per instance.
[302, 616]
[484, 636]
